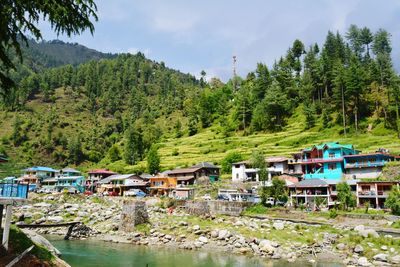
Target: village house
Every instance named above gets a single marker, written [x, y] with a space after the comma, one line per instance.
[71, 180]
[325, 161]
[366, 165]
[183, 193]
[374, 192]
[188, 176]
[117, 184]
[163, 186]
[34, 176]
[244, 172]
[96, 175]
[306, 191]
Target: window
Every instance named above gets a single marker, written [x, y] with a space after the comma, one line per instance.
[331, 155]
[332, 167]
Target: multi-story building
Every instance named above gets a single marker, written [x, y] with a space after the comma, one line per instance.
[325, 161]
[366, 165]
[244, 172]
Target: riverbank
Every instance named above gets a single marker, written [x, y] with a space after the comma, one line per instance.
[257, 237]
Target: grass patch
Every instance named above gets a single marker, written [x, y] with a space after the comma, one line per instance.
[19, 242]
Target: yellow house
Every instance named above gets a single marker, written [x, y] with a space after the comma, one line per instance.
[162, 186]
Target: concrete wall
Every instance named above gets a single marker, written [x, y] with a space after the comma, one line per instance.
[216, 207]
[363, 173]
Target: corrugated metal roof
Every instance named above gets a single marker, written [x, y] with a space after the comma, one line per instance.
[331, 145]
[41, 169]
[105, 171]
[205, 165]
[310, 183]
[70, 170]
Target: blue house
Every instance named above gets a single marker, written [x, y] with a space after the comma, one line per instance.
[326, 161]
[70, 179]
[34, 176]
[366, 165]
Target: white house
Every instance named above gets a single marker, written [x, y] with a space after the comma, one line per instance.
[243, 171]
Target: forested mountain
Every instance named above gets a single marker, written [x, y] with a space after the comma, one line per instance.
[113, 110]
[56, 53]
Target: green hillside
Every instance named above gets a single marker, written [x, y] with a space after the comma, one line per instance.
[109, 112]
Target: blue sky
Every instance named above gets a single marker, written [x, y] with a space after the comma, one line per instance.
[204, 35]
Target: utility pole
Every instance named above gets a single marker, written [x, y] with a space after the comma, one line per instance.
[234, 74]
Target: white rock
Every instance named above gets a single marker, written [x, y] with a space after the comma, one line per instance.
[266, 246]
[222, 234]
[214, 233]
[363, 261]
[238, 223]
[395, 259]
[278, 225]
[358, 249]
[381, 257]
[203, 239]
[359, 228]
[384, 248]
[55, 219]
[196, 227]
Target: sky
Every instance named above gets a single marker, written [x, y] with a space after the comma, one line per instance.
[192, 36]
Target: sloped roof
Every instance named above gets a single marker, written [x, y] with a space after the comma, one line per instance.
[205, 165]
[105, 171]
[122, 176]
[310, 183]
[184, 170]
[41, 169]
[331, 145]
[70, 170]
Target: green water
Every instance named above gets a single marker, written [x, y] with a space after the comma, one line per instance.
[93, 253]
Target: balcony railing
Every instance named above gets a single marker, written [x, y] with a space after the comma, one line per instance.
[364, 164]
[9, 190]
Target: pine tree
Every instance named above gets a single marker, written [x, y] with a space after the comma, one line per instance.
[153, 160]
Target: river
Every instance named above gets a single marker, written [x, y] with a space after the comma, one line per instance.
[94, 253]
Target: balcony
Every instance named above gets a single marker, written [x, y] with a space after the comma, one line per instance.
[8, 190]
[321, 160]
[364, 164]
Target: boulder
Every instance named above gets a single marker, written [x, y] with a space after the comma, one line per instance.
[214, 233]
[183, 223]
[381, 257]
[278, 225]
[203, 239]
[363, 261]
[341, 246]
[359, 249]
[238, 223]
[266, 246]
[55, 219]
[196, 227]
[395, 259]
[359, 228]
[222, 234]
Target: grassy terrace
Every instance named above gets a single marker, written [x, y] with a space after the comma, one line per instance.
[211, 145]
[208, 145]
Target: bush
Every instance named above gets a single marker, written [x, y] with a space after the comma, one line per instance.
[333, 213]
[393, 200]
[232, 157]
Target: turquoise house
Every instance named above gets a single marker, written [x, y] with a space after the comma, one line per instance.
[326, 161]
[70, 179]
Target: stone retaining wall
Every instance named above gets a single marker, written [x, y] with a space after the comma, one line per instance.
[216, 207]
[133, 213]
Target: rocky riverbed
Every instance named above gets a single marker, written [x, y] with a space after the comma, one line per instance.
[354, 246]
